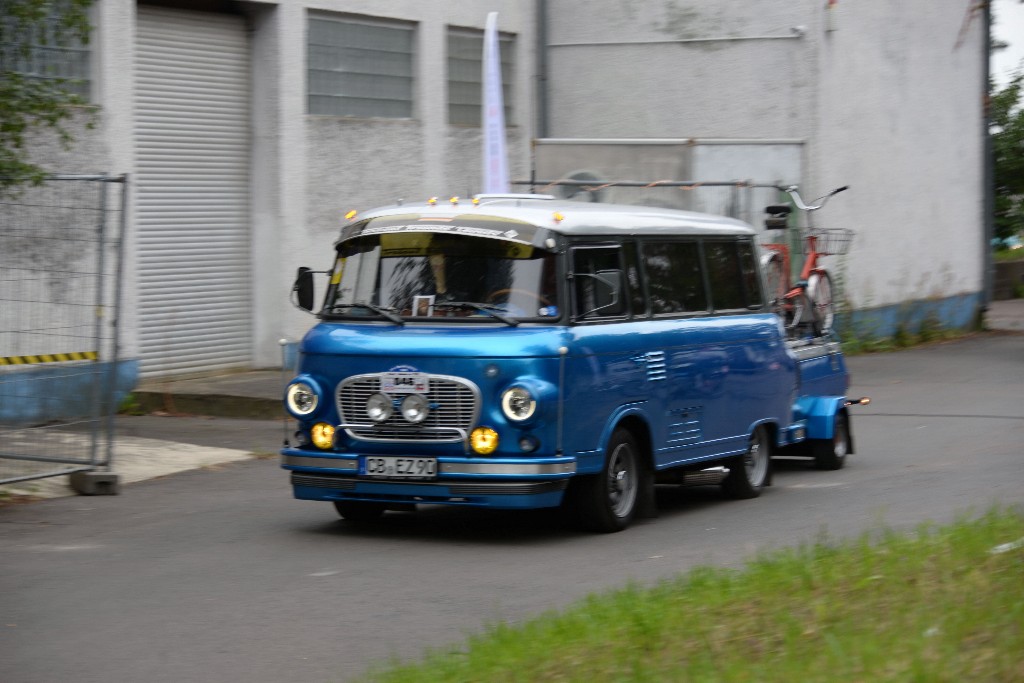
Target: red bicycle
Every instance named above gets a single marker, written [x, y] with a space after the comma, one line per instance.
[807, 304]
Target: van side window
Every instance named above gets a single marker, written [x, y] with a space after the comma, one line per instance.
[674, 279]
[638, 305]
[599, 285]
[732, 274]
[751, 275]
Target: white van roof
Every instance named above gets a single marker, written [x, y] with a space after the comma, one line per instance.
[534, 215]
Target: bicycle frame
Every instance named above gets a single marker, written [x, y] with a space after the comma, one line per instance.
[812, 293]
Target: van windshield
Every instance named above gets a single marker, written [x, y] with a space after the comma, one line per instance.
[433, 274]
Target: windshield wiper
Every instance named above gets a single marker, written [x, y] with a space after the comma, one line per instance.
[489, 310]
[379, 310]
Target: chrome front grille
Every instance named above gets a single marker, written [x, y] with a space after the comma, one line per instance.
[454, 406]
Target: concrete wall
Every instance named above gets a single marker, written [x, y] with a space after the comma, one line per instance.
[900, 120]
[886, 96]
[882, 96]
[308, 171]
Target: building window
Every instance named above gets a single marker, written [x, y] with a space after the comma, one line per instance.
[359, 67]
[465, 74]
[64, 62]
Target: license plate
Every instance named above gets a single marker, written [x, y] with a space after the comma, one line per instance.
[394, 467]
[405, 383]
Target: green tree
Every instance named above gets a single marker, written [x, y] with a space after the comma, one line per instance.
[30, 98]
[1007, 118]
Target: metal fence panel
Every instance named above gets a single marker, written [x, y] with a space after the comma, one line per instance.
[60, 376]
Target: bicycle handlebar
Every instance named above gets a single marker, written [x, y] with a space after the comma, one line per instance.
[795, 194]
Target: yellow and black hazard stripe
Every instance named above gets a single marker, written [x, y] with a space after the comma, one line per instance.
[49, 358]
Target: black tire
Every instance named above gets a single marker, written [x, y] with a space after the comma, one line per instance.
[751, 472]
[357, 511]
[830, 454]
[607, 502]
[819, 290]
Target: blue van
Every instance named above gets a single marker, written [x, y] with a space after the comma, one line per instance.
[524, 352]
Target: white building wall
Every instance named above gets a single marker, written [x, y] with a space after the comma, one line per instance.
[900, 120]
[330, 165]
[307, 171]
[886, 96]
[888, 102]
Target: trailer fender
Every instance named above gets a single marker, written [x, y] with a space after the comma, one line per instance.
[818, 414]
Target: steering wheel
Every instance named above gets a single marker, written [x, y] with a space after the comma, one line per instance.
[500, 292]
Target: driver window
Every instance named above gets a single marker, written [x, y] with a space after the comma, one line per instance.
[594, 295]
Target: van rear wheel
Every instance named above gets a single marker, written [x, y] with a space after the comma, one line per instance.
[607, 502]
[751, 472]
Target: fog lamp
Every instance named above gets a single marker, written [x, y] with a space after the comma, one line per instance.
[483, 440]
[323, 435]
[415, 408]
[379, 407]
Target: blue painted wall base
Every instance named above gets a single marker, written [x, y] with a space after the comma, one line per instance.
[42, 393]
[952, 313]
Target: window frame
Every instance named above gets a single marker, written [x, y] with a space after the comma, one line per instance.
[507, 44]
[702, 242]
[573, 298]
[69, 52]
[409, 100]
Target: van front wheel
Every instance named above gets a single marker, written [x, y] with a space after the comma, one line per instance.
[751, 472]
[607, 501]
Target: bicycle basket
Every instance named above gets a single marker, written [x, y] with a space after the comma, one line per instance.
[835, 241]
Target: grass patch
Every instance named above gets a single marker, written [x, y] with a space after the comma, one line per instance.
[901, 339]
[935, 605]
[1008, 255]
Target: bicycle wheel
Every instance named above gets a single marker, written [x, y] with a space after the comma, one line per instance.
[801, 316]
[775, 277]
[819, 289]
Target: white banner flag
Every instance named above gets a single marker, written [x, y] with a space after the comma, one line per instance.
[495, 152]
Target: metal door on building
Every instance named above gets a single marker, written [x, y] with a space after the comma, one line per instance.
[193, 238]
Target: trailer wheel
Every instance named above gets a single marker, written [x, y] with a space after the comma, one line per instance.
[830, 454]
[751, 472]
[357, 511]
[607, 502]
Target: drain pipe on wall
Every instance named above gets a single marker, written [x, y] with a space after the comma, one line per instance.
[988, 164]
[541, 14]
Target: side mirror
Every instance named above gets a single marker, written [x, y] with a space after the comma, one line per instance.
[303, 289]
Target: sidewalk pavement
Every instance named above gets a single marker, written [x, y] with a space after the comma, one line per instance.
[211, 421]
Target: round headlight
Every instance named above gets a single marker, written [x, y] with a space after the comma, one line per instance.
[323, 435]
[379, 408]
[483, 440]
[301, 398]
[518, 404]
[415, 408]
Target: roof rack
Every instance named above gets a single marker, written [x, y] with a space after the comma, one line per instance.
[511, 195]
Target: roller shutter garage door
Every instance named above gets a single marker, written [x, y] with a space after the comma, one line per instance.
[192, 191]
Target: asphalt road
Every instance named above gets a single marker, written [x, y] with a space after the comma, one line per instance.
[218, 575]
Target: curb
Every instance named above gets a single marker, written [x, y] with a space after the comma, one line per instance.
[213, 405]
